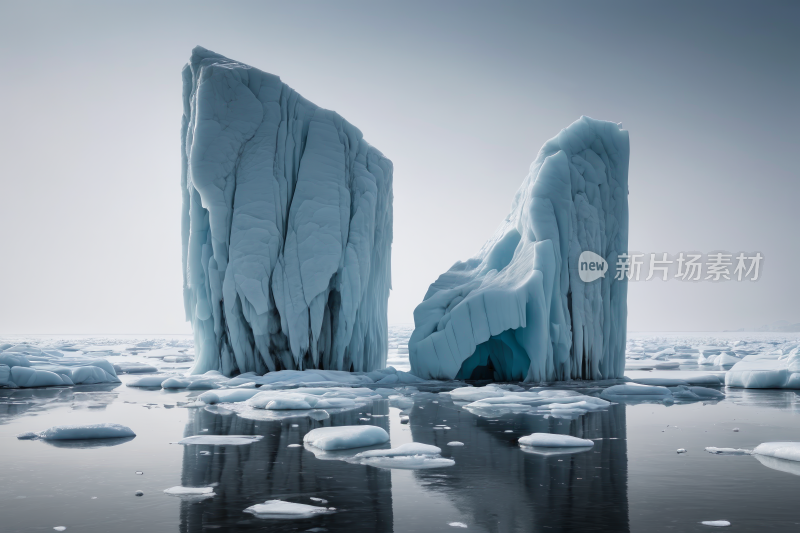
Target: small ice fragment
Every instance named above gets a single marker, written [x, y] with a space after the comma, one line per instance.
[457, 524]
[320, 500]
[205, 453]
[286, 510]
[441, 427]
[221, 440]
[30, 435]
[728, 451]
[716, 523]
[509, 431]
[345, 437]
[139, 473]
[60, 528]
[455, 443]
[293, 446]
[736, 430]
[139, 493]
[295, 425]
[553, 440]
[190, 492]
[681, 450]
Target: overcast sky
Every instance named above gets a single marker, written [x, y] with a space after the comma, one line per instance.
[459, 95]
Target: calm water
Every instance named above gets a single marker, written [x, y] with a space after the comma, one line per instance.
[632, 480]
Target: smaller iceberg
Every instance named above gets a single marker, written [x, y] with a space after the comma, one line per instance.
[766, 371]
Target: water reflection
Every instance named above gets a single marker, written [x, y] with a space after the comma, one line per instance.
[269, 469]
[504, 489]
[496, 484]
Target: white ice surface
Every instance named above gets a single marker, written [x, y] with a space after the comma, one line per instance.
[191, 492]
[345, 437]
[87, 431]
[278, 509]
[551, 440]
[221, 440]
[788, 451]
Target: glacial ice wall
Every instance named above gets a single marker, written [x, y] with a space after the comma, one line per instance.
[286, 227]
[518, 310]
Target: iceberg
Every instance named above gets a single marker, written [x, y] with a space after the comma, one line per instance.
[286, 227]
[519, 309]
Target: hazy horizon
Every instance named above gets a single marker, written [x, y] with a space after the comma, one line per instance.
[459, 95]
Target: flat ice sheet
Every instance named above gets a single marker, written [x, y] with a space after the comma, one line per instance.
[221, 440]
[551, 440]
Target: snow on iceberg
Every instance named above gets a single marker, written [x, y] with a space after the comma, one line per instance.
[287, 227]
[278, 509]
[345, 437]
[519, 310]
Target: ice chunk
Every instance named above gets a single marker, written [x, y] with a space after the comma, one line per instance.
[728, 451]
[227, 396]
[471, 394]
[147, 381]
[518, 309]
[88, 431]
[683, 392]
[789, 451]
[191, 492]
[455, 443]
[716, 523]
[634, 392]
[221, 440]
[345, 437]
[765, 374]
[126, 367]
[278, 509]
[287, 218]
[411, 456]
[457, 524]
[661, 382]
[551, 440]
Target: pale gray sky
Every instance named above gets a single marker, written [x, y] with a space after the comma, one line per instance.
[460, 95]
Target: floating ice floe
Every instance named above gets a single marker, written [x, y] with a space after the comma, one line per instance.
[728, 451]
[634, 392]
[493, 400]
[195, 493]
[455, 443]
[716, 523]
[221, 440]
[148, 381]
[345, 437]
[278, 509]
[552, 440]
[789, 451]
[783, 456]
[411, 456]
[82, 432]
[760, 372]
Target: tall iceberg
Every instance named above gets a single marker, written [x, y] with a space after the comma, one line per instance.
[286, 227]
[519, 310]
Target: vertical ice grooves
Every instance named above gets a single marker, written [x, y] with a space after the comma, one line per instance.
[286, 227]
